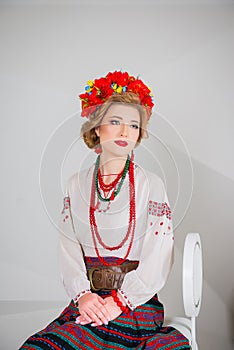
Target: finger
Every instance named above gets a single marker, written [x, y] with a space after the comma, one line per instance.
[101, 300]
[102, 314]
[95, 317]
[84, 323]
[78, 319]
[85, 317]
[104, 311]
[90, 316]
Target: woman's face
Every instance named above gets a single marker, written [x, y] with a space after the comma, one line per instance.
[119, 130]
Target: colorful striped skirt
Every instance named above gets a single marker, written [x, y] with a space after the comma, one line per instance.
[139, 329]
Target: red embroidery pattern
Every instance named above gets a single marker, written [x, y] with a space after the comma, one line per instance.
[129, 304]
[66, 205]
[159, 209]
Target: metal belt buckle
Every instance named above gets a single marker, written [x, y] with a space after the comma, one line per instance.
[90, 275]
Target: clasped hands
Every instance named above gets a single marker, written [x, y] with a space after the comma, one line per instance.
[96, 310]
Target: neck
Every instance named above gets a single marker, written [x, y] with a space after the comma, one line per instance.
[111, 165]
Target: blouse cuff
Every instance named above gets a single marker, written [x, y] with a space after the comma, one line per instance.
[80, 295]
[125, 298]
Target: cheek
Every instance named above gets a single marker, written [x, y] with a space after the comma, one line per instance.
[134, 133]
[107, 131]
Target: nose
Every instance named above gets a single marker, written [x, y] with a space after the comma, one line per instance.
[124, 130]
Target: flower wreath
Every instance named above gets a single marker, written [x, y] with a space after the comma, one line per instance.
[98, 91]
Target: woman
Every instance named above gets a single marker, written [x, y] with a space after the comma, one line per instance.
[116, 239]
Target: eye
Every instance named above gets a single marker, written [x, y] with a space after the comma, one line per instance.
[134, 126]
[115, 122]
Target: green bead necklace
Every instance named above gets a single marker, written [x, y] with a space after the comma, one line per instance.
[115, 193]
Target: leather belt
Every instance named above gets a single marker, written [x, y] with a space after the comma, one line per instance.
[110, 277]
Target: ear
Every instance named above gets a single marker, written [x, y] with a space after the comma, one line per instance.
[97, 131]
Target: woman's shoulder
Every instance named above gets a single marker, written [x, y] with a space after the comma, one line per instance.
[80, 178]
[147, 175]
[153, 182]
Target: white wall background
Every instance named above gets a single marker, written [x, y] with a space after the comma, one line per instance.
[49, 49]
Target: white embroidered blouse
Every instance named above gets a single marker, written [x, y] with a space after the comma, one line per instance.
[153, 240]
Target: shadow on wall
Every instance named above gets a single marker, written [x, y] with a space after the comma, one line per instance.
[231, 301]
[211, 214]
[213, 209]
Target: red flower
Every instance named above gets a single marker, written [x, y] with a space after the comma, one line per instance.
[84, 96]
[103, 88]
[147, 101]
[119, 78]
[88, 110]
[138, 86]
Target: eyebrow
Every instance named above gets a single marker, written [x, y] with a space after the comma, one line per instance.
[115, 116]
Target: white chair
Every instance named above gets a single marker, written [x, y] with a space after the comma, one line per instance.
[192, 289]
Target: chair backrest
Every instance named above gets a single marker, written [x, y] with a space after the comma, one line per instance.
[192, 274]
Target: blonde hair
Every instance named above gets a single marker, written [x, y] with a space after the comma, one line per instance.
[95, 119]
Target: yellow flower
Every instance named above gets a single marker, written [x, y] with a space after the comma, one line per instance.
[119, 89]
[90, 83]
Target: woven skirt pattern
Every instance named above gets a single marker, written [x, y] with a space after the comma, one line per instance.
[138, 329]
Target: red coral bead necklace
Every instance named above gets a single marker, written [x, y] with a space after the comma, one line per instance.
[132, 218]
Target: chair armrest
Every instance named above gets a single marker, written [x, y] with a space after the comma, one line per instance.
[192, 274]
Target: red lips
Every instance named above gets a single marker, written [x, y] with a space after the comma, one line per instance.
[121, 143]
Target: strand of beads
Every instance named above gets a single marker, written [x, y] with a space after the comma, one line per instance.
[132, 219]
[118, 301]
[122, 176]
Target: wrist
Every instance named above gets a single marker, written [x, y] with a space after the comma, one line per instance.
[81, 294]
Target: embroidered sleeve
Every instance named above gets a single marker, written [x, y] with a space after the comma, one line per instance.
[159, 209]
[72, 266]
[156, 258]
[160, 217]
[66, 208]
[126, 299]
